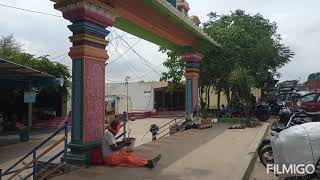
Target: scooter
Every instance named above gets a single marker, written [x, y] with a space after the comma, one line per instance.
[296, 117]
[296, 152]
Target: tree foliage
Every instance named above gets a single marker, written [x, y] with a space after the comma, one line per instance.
[11, 50]
[175, 69]
[314, 76]
[250, 42]
[243, 83]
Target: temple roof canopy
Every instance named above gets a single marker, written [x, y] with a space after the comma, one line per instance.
[156, 21]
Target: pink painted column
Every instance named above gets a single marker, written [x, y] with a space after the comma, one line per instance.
[89, 19]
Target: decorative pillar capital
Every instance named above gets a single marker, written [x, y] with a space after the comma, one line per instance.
[192, 61]
[90, 10]
[88, 53]
[192, 57]
[183, 4]
[88, 41]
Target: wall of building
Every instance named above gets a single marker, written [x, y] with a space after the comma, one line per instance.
[313, 85]
[141, 94]
[223, 100]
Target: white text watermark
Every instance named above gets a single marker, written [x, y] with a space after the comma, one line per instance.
[300, 169]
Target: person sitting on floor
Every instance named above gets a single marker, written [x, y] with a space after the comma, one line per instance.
[113, 154]
[120, 125]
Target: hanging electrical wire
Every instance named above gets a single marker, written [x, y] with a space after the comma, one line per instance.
[61, 55]
[28, 10]
[127, 64]
[124, 61]
[124, 52]
[111, 80]
[146, 62]
[150, 71]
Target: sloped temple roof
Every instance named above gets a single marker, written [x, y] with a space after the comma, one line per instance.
[162, 23]
[12, 74]
[156, 21]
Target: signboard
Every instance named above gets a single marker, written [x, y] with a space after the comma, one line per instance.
[29, 97]
[147, 93]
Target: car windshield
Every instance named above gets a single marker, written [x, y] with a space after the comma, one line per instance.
[293, 97]
[282, 97]
[308, 98]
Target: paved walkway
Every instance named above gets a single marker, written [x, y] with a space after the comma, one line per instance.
[13, 137]
[11, 153]
[139, 128]
[217, 153]
[259, 172]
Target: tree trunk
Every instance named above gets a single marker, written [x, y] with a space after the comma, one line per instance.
[202, 93]
[218, 102]
[227, 95]
[208, 97]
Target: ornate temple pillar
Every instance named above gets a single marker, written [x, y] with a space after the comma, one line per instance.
[192, 63]
[89, 20]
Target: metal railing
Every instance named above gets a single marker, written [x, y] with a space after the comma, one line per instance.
[164, 130]
[124, 119]
[159, 132]
[33, 164]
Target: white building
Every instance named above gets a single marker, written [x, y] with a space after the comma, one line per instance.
[143, 95]
[140, 93]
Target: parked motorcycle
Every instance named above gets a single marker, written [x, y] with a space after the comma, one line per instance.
[288, 117]
[262, 112]
[297, 146]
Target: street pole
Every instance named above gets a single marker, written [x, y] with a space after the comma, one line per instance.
[127, 99]
[126, 118]
[29, 113]
[127, 115]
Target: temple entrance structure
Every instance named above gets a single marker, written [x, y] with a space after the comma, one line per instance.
[165, 23]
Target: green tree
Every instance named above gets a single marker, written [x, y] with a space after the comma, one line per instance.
[11, 50]
[248, 41]
[175, 67]
[242, 84]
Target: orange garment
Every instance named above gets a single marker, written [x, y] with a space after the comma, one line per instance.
[116, 131]
[125, 159]
[119, 127]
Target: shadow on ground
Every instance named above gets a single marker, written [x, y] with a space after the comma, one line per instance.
[12, 149]
[172, 149]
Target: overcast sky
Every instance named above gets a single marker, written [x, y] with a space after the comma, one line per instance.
[298, 22]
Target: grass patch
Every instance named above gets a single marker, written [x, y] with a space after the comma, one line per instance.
[231, 120]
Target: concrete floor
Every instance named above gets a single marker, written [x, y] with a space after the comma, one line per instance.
[217, 153]
[140, 127]
[259, 172]
[11, 153]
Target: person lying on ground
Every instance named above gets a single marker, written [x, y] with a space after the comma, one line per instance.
[193, 120]
[113, 154]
